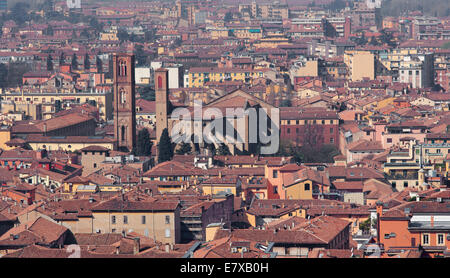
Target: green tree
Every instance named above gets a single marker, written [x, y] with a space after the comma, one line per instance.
[228, 17]
[93, 22]
[141, 57]
[165, 148]
[286, 103]
[49, 63]
[87, 64]
[61, 59]
[16, 71]
[74, 62]
[144, 144]
[84, 34]
[184, 148]
[123, 35]
[50, 31]
[149, 35]
[99, 64]
[19, 13]
[3, 75]
[146, 93]
[223, 150]
[365, 226]
[373, 41]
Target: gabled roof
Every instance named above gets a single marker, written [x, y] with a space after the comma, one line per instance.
[118, 204]
[39, 230]
[303, 175]
[365, 145]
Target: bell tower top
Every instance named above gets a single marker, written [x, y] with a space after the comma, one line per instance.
[123, 67]
[161, 79]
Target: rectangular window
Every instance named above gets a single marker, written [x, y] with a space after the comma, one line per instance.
[113, 219]
[275, 174]
[167, 219]
[440, 239]
[331, 130]
[143, 219]
[425, 239]
[389, 140]
[167, 233]
[307, 186]
[125, 219]
[288, 130]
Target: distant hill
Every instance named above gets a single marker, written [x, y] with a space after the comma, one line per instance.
[438, 8]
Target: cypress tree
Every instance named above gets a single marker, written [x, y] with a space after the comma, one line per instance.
[184, 148]
[223, 150]
[165, 150]
[74, 62]
[49, 63]
[144, 144]
[87, 64]
[99, 64]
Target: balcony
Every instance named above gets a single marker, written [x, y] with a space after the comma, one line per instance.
[426, 225]
[330, 192]
[414, 176]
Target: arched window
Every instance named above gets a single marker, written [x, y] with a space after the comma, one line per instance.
[159, 82]
[122, 68]
[123, 96]
[123, 133]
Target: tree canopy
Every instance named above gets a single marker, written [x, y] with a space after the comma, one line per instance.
[165, 148]
[184, 148]
[144, 144]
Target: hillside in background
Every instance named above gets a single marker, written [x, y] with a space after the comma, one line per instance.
[438, 8]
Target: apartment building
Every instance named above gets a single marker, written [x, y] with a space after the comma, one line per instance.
[101, 98]
[312, 126]
[197, 77]
[413, 225]
[158, 219]
[328, 48]
[361, 65]
[415, 165]
[417, 70]
[265, 10]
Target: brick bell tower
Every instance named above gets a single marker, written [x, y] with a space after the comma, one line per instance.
[124, 102]
[162, 100]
